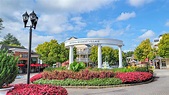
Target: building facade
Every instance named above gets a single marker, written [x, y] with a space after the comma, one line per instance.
[83, 52]
[22, 54]
[158, 61]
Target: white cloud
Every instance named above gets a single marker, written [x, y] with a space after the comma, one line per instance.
[73, 6]
[148, 34]
[99, 33]
[167, 23]
[55, 17]
[108, 32]
[23, 34]
[128, 27]
[143, 30]
[126, 16]
[53, 23]
[138, 3]
[79, 24]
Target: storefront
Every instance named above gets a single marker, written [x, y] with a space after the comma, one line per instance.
[161, 63]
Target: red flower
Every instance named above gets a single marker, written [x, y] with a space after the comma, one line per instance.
[37, 89]
[132, 77]
[36, 77]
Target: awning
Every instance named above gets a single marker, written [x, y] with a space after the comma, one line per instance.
[21, 65]
[33, 65]
[37, 65]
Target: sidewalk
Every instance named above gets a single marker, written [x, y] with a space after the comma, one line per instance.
[161, 72]
[22, 78]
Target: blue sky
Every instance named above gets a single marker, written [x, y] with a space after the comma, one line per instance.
[128, 20]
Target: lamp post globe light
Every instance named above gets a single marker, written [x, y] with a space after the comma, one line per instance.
[33, 19]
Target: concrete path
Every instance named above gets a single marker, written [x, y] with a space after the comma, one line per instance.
[22, 78]
[158, 87]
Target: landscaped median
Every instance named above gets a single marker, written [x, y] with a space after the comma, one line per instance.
[89, 77]
[54, 80]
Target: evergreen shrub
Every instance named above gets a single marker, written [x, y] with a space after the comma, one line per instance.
[8, 68]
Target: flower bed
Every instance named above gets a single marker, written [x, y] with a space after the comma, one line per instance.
[36, 77]
[133, 77]
[89, 77]
[84, 75]
[37, 89]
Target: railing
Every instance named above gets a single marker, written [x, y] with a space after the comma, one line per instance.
[83, 52]
[83, 60]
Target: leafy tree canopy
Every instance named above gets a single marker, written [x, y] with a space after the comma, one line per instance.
[108, 54]
[52, 52]
[93, 55]
[144, 50]
[9, 39]
[129, 53]
[163, 46]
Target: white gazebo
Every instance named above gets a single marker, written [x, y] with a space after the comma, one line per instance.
[95, 41]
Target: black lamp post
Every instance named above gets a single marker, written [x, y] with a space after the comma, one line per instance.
[33, 19]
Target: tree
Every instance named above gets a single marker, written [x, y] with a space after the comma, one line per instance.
[144, 50]
[163, 46]
[108, 54]
[9, 39]
[116, 56]
[49, 52]
[1, 25]
[64, 53]
[93, 56]
[52, 52]
[129, 53]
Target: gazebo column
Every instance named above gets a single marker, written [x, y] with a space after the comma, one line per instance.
[70, 55]
[120, 57]
[99, 56]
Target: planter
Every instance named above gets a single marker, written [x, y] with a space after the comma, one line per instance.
[3, 91]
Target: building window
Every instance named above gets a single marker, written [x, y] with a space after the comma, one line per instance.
[24, 55]
[163, 63]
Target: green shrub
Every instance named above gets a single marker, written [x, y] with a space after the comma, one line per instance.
[75, 66]
[125, 69]
[8, 68]
[97, 69]
[53, 69]
[142, 69]
[75, 82]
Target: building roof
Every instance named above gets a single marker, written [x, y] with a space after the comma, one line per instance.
[14, 48]
[72, 38]
[6, 47]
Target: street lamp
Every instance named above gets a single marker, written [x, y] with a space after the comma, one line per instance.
[33, 19]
